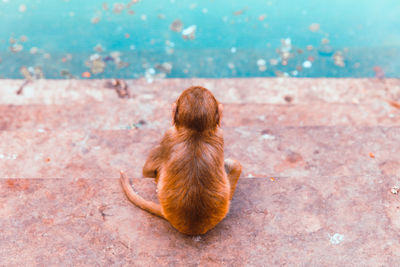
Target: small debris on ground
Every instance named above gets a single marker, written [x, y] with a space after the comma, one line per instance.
[314, 27]
[32, 73]
[96, 64]
[66, 74]
[240, 12]
[95, 20]
[16, 48]
[116, 57]
[281, 74]
[165, 67]
[394, 104]
[196, 238]
[149, 75]
[176, 25]
[336, 239]
[371, 155]
[33, 50]
[22, 8]
[307, 64]
[26, 73]
[395, 189]
[261, 63]
[121, 88]
[21, 88]
[379, 73]
[273, 61]
[23, 39]
[102, 209]
[189, 32]
[267, 135]
[338, 59]
[38, 73]
[139, 124]
[118, 8]
[288, 98]
[99, 48]
[86, 74]
[285, 51]
[325, 41]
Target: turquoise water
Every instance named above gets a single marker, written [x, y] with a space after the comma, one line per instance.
[220, 38]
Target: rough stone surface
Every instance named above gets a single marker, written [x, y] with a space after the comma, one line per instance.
[131, 114]
[263, 151]
[320, 158]
[296, 221]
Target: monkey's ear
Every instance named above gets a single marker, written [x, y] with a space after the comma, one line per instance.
[219, 114]
[174, 113]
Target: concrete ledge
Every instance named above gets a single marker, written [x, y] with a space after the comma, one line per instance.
[240, 90]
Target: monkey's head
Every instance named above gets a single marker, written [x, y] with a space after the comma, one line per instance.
[197, 109]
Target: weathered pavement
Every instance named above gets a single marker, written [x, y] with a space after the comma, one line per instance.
[319, 157]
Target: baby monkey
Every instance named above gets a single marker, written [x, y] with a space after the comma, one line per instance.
[194, 183]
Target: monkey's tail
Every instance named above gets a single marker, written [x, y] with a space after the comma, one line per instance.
[138, 200]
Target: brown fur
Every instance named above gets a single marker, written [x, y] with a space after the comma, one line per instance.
[194, 183]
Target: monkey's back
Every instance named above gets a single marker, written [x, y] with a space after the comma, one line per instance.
[193, 188]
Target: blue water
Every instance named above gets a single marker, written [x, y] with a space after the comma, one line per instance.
[313, 38]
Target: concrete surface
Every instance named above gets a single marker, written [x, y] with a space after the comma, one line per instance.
[320, 158]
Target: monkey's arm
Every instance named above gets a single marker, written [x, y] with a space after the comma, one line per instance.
[158, 155]
[153, 162]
